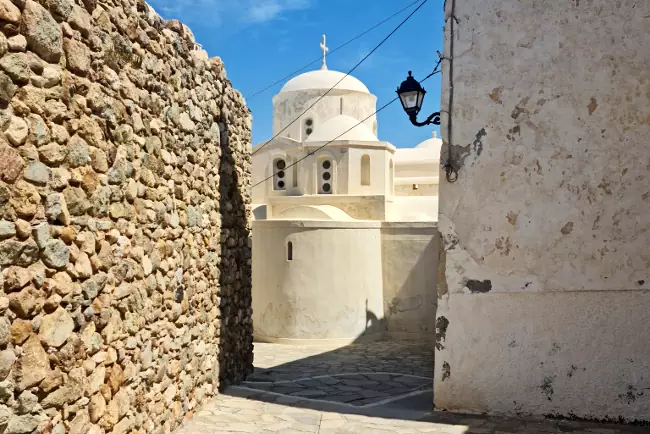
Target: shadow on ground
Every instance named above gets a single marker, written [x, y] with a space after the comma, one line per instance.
[385, 379]
[365, 383]
[358, 375]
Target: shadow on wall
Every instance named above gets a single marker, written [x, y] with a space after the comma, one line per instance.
[373, 324]
[410, 257]
[234, 294]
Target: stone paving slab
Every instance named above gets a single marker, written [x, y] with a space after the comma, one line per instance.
[277, 362]
[359, 375]
[376, 388]
[355, 389]
[231, 414]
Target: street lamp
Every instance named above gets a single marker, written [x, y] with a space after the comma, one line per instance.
[411, 95]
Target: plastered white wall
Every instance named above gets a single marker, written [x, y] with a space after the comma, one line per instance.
[409, 260]
[550, 119]
[319, 294]
[324, 293]
[291, 105]
[421, 190]
[551, 126]
[357, 207]
[413, 208]
[303, 177]
[378, 162]
[579, 354]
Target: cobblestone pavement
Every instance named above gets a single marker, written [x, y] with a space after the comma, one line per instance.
[284, 362]
[360, 375]
[235, 414]
[297, 390]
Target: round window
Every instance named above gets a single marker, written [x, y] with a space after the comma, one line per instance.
[309, 131]
[281, 184]
[326, 164]
[309, 122]
[326, 176]
[280, 164]
[281, 174]
[327, 187]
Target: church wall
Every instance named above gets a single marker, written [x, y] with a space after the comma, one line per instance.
[311, 175]
[318, 295]
[357, 207]
[417, 170]
[409, 254]
[313, 292]
[125, 277]
[412, 208]
[546, 270]
[422, 190]
[264, 167]
[376, 175]
[291, 105]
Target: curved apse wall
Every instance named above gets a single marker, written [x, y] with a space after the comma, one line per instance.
[318, 294]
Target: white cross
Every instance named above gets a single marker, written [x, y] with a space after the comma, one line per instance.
[323, 47]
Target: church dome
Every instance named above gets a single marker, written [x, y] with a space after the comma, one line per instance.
[339, 126]
[324, 79]
[427, 152]
[432, 143]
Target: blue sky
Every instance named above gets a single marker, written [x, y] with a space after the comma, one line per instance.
[261, 41]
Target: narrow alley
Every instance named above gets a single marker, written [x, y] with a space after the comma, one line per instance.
[373, 388]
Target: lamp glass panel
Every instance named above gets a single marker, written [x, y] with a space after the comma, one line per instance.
[410, 100]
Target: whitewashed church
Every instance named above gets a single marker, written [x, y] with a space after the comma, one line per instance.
[344, 222]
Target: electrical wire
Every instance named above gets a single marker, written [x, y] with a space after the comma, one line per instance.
[309, 154]
[319, 58]
[342, 78]
[450, 171]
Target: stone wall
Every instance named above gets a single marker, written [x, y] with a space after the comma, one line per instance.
[546, 266]
[124, 220]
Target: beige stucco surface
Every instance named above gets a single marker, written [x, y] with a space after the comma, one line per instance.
[558, 353]
[409, 260]
[550, 119]
[551, 123]
[303, 178]
[413, 208]
[357, 207]
[305, 104]
[345, 281]
[320, 294]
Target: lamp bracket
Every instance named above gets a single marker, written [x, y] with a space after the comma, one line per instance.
[434, 119]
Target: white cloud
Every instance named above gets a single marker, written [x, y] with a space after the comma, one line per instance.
[268, 10]
[384, 57]
[216, 12]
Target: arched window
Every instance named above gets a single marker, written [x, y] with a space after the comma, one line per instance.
[365, 169]
[295, 173]
[289, 251]
[279, 174]
[325, 176]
